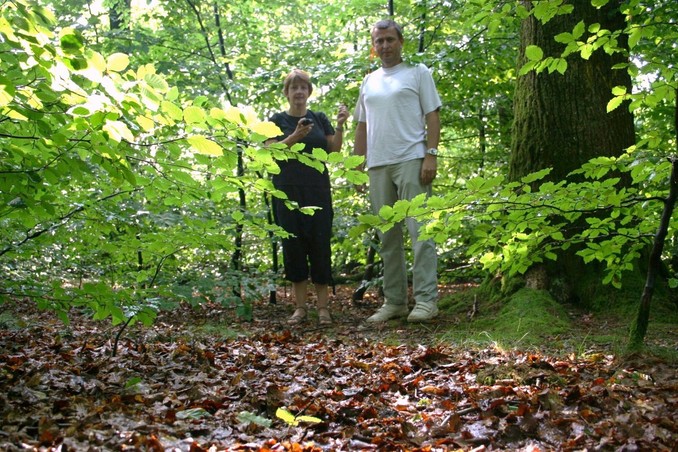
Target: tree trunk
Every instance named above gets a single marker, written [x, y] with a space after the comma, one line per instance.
[561, 120]
[639, 327]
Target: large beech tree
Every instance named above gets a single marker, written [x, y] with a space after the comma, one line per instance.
[560, 107]
[561, 119]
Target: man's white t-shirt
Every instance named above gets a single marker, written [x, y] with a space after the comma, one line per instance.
[393, 102]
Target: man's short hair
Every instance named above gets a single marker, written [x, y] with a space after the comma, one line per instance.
[388, 23]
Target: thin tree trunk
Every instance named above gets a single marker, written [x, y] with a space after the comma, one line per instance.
[236, 258]
[369, 272]
[482, 138]
[270, 215]
[422, 31]
[639, 328]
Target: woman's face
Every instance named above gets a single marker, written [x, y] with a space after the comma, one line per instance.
[298, 93]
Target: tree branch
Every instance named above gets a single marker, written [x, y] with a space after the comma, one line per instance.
[205, 35]
[61, 221]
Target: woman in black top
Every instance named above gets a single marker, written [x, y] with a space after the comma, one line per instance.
[307, 251]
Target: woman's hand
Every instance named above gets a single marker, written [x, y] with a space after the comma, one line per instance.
[303, 128]
[342, 115]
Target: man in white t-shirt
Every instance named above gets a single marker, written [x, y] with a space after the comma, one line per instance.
[398, 130]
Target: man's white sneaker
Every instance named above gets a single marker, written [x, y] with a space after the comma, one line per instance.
[423, 312]
[388, 312]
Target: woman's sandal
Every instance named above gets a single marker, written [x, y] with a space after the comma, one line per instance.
[324, 317]
[298, 317]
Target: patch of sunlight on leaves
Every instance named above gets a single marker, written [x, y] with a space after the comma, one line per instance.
[204, 145]
[117, 62]
[292, 420]
[267, 129]
[194, 115]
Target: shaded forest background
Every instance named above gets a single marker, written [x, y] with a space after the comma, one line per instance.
[138, 257]
[133, 176]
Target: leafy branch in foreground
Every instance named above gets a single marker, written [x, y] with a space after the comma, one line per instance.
[515, 226]
[114, 188]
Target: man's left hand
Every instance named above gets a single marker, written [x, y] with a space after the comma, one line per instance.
[429, 168]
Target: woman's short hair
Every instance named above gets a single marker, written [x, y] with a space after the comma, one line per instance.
[297, 75]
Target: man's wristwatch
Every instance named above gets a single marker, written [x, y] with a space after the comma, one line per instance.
[432, 151]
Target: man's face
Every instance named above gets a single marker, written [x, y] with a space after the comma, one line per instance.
[388, 46]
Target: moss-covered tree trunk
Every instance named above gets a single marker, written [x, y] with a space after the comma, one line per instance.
[561, 120]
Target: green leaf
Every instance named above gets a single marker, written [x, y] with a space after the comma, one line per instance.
[250, 418]
[562, 65]
[71, 42]
[635, 36]
[353, 161]
[532, 177]
[173, 93]
[619, 90]
[194, 115]
[320, 154]
[118, 131]
[527, 67]
[117, 62]
[266, 129]
[293, 420]
[204, 145]
[579, 30]
[237, 215]
[335, 157]
[156, 82]
[7, 91]
[146, 123]
[193, 413]
[614, 103]
[564, 38]
[534, 53]
[133, 382]
[586, 51]
[172, 110]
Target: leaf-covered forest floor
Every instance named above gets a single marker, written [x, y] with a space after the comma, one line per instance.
[199, 379]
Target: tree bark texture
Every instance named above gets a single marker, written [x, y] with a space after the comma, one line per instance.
[561, 121]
